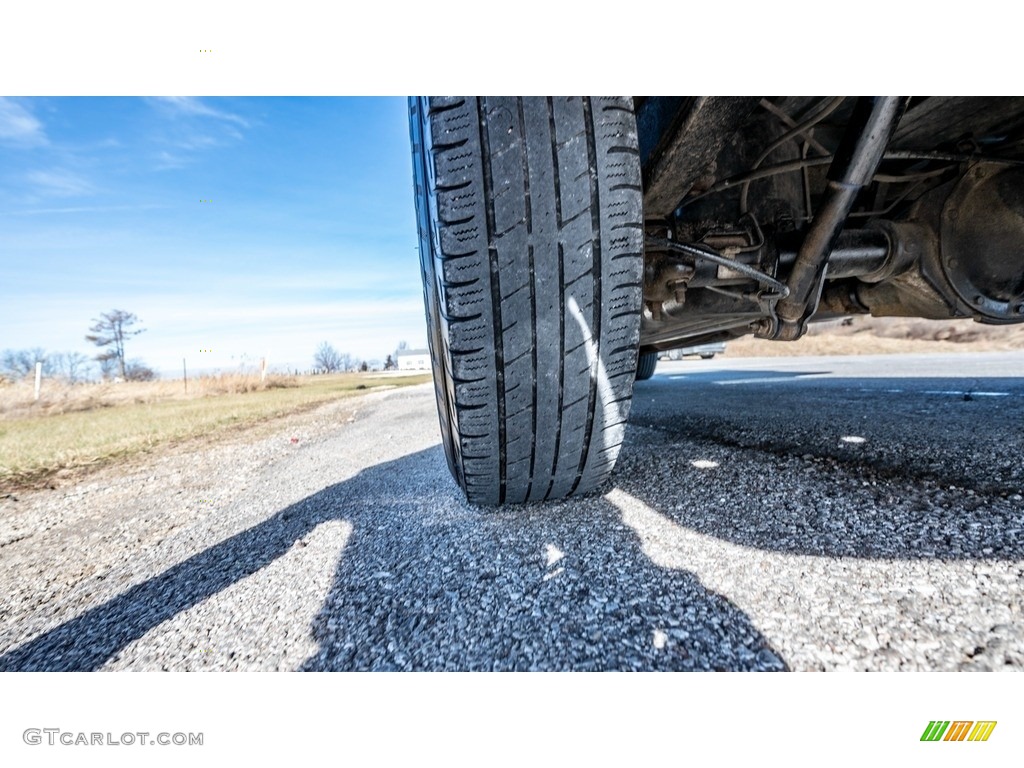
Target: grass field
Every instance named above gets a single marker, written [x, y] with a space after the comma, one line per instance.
[87, 425]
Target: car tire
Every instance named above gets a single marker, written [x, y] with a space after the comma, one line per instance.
[646, 363]
[530, 227]
[706, 355]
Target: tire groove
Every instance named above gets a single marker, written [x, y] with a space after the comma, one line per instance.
[595, 333]
[533, 295]
[554, 165]
[492, 255]
[561, 369]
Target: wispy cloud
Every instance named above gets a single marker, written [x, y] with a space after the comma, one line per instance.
[198, 142]
[195, 128]
[165, 161]
[188, 105]
[18, 126]
[58, 183]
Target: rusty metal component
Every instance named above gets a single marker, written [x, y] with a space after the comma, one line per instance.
[665, 279]
[982, 241]
[884, 269]
[966, 249]
[840, 298]
[907, 242]
[909, 295]
[683, 154]
[856, 252]
[735, 269]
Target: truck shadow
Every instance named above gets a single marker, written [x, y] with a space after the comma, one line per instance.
[545, 587]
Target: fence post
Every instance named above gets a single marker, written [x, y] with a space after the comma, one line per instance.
[263, 369]
[39, 377]
[184, 373]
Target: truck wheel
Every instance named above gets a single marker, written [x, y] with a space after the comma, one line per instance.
[531, 250]
[645, 365]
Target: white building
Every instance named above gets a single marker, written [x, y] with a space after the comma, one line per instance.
[413, 359]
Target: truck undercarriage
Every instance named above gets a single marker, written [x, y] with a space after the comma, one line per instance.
[762, 214]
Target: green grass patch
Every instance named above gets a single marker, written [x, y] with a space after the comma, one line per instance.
[34, 447]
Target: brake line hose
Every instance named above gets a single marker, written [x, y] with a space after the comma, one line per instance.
[709, 254]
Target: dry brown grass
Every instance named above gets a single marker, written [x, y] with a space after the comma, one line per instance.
[73, 427]
[887, 336]
[17, 399]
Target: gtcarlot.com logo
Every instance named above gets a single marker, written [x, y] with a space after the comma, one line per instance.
[54, 736]
[958, 730]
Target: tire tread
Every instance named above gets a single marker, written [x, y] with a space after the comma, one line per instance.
[531, 245]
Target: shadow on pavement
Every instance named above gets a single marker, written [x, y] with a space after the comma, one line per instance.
[449, 586]
[427, 582]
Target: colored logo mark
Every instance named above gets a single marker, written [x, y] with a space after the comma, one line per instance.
[958, 730]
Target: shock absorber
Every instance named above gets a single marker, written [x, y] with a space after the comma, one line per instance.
[871, 127]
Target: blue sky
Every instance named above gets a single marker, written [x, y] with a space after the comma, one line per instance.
[309, 233]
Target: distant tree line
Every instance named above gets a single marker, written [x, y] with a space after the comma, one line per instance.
[327, 359]
[109, 332]
[73, 367]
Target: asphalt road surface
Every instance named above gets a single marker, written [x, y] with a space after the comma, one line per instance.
[767, 514]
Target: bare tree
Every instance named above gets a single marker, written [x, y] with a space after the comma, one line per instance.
[18, 363]
[73, 366]
[327, 358]
[111, 330]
